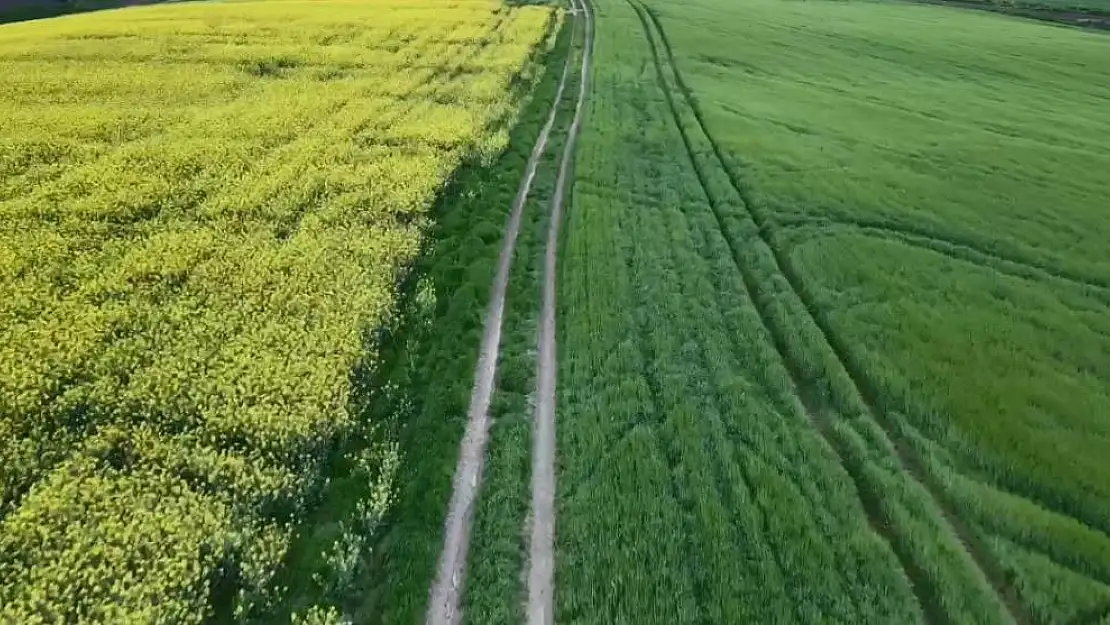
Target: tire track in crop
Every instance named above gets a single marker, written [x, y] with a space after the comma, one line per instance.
[862, 388]
[1005, 265]
[754, 531]
[446, 590]
[810, 404]
[1092, 616]
[957, 248]
[541, 559]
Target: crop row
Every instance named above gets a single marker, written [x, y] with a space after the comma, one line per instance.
[961, 401]
[693, 485]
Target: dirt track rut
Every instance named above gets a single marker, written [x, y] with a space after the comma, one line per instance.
[541, 559]
[446, 590]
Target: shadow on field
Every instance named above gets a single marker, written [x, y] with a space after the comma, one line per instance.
[24, 10]
[416, 399]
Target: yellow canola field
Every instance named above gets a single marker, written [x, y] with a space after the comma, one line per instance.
[205, 209]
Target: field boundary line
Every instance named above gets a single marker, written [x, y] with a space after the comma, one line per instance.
[958, 249]
[447, 588]
[541, 558]
[913, 466]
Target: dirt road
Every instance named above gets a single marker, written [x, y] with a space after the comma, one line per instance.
[446, 591]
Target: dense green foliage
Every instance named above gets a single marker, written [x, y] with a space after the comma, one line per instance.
[835, 291]
[22, 10]
[204, 214]
[938, 184]
[694, 487]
